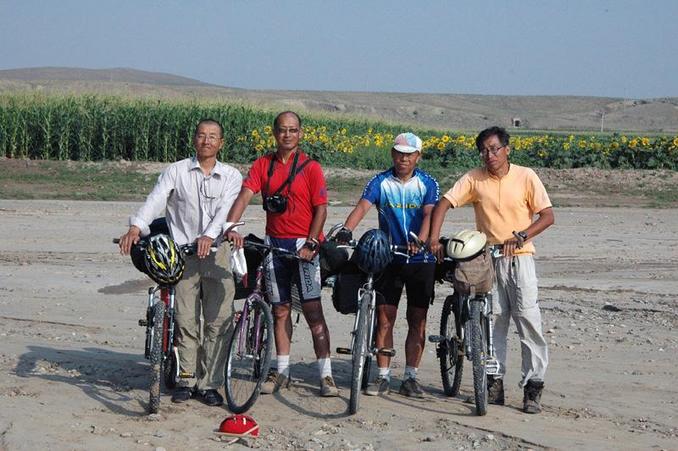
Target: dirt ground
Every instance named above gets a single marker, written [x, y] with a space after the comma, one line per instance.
[73, 374]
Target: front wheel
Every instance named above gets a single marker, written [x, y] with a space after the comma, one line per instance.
[477, 324]
[359, 352]
[155, 355]
[450, 350]
[249, 356]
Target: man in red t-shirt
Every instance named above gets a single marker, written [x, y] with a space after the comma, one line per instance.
[295, 199]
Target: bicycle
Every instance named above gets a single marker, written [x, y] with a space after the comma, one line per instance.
[159, 347]
[248, 356]
[363, 346]
[466, 331]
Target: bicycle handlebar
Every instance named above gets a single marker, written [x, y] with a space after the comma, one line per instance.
[268, 248]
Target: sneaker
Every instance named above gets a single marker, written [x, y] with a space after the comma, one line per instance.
[495, 391]
[411, 388]
[532, 396]
[274, 382]
[328, 388]
[381, 386]
[181, 394]
[211, 398]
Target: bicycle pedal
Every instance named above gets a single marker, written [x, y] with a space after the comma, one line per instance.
[184, 375]
[436, 338]
[389, 352]
[143, 323]
[491, 367]
[344, 351]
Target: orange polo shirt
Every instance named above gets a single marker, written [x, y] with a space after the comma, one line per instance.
[501, 205]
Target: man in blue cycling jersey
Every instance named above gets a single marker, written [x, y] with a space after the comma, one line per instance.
[404, 196]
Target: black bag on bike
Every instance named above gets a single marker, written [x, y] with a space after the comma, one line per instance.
[158, 226]
[477, 273]
[253, 258]
[346, 286]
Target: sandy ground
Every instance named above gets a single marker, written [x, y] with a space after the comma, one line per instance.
[73, 374]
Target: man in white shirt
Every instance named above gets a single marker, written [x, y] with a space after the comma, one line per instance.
[196, 194]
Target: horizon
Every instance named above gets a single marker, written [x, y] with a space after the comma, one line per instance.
[612, 49]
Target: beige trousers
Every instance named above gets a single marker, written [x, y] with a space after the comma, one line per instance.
[515, 296]
[206, 291]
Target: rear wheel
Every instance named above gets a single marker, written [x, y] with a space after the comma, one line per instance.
[478, 355]
[359, 353]
[450, 350]
[155, 356]
[249, 356]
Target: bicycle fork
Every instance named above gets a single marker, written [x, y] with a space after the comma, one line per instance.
[491, 363]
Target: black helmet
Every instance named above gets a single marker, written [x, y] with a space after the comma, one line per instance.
[373, 252]
[164, 262]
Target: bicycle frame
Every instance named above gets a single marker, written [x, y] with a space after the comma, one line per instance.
[166, 295]
[366, 288]
[244, 320]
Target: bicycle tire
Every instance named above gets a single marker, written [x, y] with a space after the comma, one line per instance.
[359, 353]
[450, 351]
[478, 356]
[156, 357]
[246, 364]
[170, 369]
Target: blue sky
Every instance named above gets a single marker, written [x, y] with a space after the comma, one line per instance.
[619, 48]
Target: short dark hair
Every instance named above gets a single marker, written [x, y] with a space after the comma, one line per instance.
[499, 132]
[209, 120]
[276, 121]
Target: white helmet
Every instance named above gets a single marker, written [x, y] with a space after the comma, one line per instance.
[466, 244]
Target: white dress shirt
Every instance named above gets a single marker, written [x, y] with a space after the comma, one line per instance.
[194, 204]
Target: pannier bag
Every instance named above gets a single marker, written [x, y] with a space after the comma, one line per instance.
[345, 289]
[476, 272]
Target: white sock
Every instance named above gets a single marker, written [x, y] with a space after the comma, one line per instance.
[410, 372]
[283, 365]
[385, 373]
[325, 367]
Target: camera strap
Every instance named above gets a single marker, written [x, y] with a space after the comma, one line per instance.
[290, 178]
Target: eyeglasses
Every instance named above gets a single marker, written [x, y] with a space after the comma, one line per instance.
[283, 131]
[202, 137]
[485, 152]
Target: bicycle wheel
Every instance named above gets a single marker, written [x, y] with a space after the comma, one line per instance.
[359, 353]
[156, 357]
[170, 369]
[249, 356]
[450, 350]
[478, 355]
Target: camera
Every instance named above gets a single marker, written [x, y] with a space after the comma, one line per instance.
[275, 203]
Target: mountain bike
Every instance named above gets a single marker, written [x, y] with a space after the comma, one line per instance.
[466, 331]
[249, 349]
[363, 347]
[159, 347]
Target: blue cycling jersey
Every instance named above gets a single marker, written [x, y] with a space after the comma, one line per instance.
[400, 205]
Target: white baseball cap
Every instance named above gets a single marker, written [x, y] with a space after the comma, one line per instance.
[407, 143]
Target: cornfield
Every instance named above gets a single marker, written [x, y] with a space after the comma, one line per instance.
[111, 128]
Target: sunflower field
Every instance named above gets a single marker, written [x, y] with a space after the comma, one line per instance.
[91, 128]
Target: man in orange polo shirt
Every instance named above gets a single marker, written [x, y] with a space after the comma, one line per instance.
[506, 198]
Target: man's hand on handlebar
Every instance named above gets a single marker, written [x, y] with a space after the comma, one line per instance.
[437, 249]
[129, 239]
[343, 236]
[306, 253]
[203, 246]
[235, 238]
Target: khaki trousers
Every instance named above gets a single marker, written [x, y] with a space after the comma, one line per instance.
[206, 291]
[515, 296]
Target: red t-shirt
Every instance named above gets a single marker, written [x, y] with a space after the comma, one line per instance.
[307, 191]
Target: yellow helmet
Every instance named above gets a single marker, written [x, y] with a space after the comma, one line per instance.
[164, 262]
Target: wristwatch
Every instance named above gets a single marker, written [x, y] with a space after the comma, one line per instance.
[522, 235]
[312, 244]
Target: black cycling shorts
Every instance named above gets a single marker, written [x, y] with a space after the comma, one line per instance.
[417, 278]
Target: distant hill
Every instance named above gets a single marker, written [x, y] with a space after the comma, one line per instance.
[440, 111]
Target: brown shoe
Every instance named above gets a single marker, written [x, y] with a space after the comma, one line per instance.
[532, 396]
[274, 382]
[328, 388]
[495, 391]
